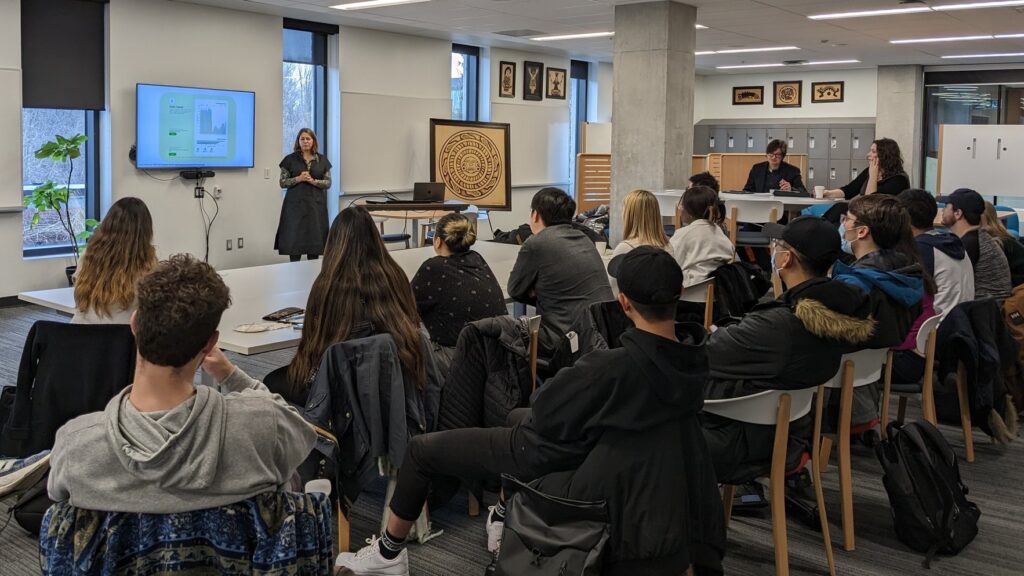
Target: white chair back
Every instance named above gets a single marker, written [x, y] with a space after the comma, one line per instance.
[927, 328]
[754, 211]
[763, 407]
[867, 368]
[698, 292]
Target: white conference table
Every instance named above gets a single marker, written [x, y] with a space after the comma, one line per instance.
[260, 290]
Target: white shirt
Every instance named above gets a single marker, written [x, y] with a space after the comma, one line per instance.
[700, 248]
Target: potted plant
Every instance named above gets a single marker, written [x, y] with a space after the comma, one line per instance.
[51, 196]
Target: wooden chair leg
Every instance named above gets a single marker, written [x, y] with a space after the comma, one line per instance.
[825, 453]
[965, 411]
[845, 474]
[901, 411]
[344, 543]
[819, 494]
[474, 505]
[886, 394]
[928, 382]
[728, 491]
[777, 487]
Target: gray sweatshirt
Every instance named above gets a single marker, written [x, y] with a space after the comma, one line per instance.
[220, 446]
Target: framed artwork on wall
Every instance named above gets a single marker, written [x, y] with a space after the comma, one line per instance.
[533, 81]
[507, 79]
[747, 95]
[788, 93]
[472, 159]
[556, 83]
[827, 92]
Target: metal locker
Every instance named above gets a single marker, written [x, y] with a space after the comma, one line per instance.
[839, 143]
[756, 140]
[817, 173]
[838, 173]
[796, 139]
[701, 140]
[777, 133]
[817, 142]
[861, 142]
[718, 139]
[857, 165]
[735, 139]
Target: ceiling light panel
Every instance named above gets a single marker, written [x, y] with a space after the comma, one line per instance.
[573, 36]
[1000, 55]
[942, 39]
[374, 4]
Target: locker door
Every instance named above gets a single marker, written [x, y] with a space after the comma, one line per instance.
[817, 173]
[857, 165]
[776, 133]
[838, 173]
[839, 143]
[701, 137]
[861, 142]
[718, 140]
[735, 140]
[756, 140]
[817, 142]
[796, 139]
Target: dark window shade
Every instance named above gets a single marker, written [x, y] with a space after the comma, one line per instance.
[579, 70]
[307, 26]
[62, 61]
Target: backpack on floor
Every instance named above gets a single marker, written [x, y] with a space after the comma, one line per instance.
[32, 505]
[930, 510]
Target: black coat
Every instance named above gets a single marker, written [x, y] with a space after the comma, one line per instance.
[66, 370]
[303, 226]
[452, 291]
[761, 179]
[622, 425]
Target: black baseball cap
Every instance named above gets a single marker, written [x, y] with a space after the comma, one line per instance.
[648, 275]
[815, 239]
[965, 200]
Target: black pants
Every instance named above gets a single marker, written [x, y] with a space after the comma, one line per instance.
[297, 257]
[907, 367]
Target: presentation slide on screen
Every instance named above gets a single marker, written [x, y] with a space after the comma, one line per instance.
[194, 127]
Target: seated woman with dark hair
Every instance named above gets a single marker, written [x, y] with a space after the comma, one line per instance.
[360, 291]
[454, 287]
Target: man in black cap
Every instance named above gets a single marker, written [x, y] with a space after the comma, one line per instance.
[962, 215]
[790, 343]
[619, 425]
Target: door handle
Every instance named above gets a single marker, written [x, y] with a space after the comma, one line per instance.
[999, 148]
[974, 148]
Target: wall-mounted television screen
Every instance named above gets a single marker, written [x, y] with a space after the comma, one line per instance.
[179, 127]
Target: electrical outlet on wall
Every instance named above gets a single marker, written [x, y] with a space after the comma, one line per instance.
[241, 242]
[217, 191]
[229, 244]
[266, 173]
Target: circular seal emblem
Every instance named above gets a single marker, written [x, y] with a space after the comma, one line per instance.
[470, 164]
[787, 95]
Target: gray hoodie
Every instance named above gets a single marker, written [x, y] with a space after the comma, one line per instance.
[221, 446]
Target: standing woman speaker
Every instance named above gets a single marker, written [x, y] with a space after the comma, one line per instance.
[307, 175]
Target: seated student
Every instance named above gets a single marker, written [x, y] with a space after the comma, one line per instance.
[647, 391]
[885, 173]
[454, 287]
[705, 179]
[641, 223]
[360, 291]
[700, 245]
[164, 445]
[557, 269]
[962, 215]
[775, 173]
[789, 343]
[1012, 248]
[120, 252]
[876, 231]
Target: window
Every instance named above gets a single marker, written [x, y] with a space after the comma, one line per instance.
[39, 126]
[465, 82]
[304, 88]
[579, 74]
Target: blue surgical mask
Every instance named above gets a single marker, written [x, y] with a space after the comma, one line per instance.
[774, 267]
[845, 244]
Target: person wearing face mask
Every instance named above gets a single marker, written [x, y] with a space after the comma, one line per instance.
[791, 342]
[306, 174]
[775, 173]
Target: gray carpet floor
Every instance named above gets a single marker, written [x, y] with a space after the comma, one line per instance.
[994, 479]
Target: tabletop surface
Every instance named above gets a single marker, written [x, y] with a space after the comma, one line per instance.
[260, 290]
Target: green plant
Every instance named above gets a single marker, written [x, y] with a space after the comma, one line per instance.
[50, 196]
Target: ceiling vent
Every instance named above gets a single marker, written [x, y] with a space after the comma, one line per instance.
[521, 33]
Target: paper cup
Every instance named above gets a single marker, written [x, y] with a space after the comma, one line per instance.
[819, 191]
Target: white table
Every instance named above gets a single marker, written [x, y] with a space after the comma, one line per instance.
[260, 290]
[787, 200]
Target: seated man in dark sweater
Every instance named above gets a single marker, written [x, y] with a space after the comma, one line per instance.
[789, 343]
[624, 421]
[558, 269]
[775, 173]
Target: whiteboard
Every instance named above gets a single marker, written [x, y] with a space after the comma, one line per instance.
[598, 138]
[989, 159]
[540, 142]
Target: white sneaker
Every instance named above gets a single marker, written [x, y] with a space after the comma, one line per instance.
[18, 474]
[370, 562]
[494, 530]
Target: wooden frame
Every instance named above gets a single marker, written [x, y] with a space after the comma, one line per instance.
[506, 79]
[747, 95]
[787, 93]
[533, 80]
[554, 82]
[828, 92]
[489, 145]
[593, 181]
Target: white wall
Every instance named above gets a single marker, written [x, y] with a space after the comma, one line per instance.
[713, 99]
[605, 78]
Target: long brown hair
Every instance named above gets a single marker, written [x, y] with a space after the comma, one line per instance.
[701, 202]
[358, 282]
[890, 160]
[314, 149]
[119, 253]
[641, 219]
[990, 223]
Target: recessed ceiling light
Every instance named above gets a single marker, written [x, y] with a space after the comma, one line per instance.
[374, 4]
[769, 49]
[703, 52]
[780, 64]
[573, 36]
[1004, 55]
[819, 62]
[700, 27]
[1001, 36]
[944, 39]
[998, 4]
[865, 13]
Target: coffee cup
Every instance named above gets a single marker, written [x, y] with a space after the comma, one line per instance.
[819, 191]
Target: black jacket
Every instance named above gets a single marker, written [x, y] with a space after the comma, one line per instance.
[895, 285]
[621, 425]
[792, 343]
[66, 370]
[761, 179]
[892, 185]
[454, 290]
[1014, 251]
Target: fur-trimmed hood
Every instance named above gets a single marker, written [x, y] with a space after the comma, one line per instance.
[832, 310]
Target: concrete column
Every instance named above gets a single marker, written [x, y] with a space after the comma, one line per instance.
[900, 113]
[652, 105]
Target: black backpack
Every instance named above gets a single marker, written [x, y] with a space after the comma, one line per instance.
[930, 510]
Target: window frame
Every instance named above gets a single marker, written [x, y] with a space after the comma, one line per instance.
[92, 184]
[471, 80]
[319, 63]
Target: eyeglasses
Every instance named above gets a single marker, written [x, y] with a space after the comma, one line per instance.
[844, 218]
[777, 155]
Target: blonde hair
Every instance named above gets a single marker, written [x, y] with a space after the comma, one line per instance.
[990, 223]
[456, 231]
[641, 219]
[118, 255]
